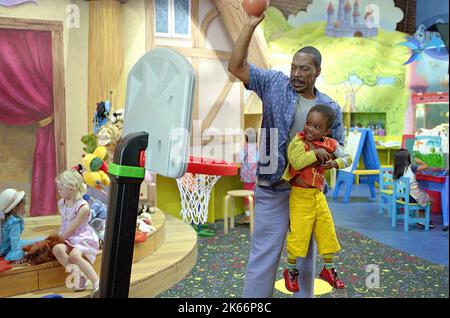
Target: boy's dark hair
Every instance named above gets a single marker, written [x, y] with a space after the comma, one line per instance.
[317, 57]
[327, 112]
[402, 159]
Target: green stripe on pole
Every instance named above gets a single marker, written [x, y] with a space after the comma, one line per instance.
[126, 171]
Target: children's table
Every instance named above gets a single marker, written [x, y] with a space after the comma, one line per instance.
[436, 183]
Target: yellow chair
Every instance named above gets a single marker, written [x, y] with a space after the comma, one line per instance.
[230, 207]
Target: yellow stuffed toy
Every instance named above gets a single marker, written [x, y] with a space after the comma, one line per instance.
[95, 168]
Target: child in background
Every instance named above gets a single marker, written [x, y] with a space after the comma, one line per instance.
[404, 168]
[80, 241]
[309, 153]
[248, 158]
[12, 210]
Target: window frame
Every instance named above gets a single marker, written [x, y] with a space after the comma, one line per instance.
[171, 22]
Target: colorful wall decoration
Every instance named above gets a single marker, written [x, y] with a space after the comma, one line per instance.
[11, 3]
[429, 149]
[363, 64]
[428, 59]
[428, 53]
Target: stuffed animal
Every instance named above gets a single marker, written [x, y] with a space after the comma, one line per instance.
[95, 168]
[101, 115]
[146, 208]
[99, 225]
[95, 179]
[144, 222]
[90, 141]
[140, 237]
[143, 226]
[98, 217]
[116, 118]
[37, 253]
[108, 136]
[97, 207]
[41, 251]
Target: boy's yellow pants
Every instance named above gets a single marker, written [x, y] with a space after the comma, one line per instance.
[308, 213]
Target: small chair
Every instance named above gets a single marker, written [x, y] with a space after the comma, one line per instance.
[401, 199]
[230, 197]
[386, 183]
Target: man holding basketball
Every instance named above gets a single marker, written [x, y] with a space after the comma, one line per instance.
[286, 102]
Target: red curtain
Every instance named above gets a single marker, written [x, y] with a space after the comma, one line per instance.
[26, 98]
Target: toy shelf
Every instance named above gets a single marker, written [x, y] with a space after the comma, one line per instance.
[363, 119]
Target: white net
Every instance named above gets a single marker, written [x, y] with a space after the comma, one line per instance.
[195, 191]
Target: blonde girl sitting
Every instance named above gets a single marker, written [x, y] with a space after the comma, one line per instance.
[80, 241]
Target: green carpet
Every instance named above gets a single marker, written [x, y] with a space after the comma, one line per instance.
[221, 264]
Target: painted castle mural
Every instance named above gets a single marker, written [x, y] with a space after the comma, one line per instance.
[364, 64]
[350, 23]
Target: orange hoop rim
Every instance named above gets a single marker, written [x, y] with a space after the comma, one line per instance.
[211, 166]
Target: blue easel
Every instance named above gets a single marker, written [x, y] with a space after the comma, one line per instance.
[360, 142]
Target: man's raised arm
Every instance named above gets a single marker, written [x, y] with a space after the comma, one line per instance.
[238, 65]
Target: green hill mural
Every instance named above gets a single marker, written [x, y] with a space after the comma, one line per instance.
[363, 74]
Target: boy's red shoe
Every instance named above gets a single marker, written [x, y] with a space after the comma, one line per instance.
[291, 280]
[331, 276]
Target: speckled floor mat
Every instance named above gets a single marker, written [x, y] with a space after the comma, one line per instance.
[221, 264]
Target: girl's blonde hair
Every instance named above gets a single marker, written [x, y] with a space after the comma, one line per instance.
[72, 179]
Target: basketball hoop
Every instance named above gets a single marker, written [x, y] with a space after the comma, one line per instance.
[196, 185]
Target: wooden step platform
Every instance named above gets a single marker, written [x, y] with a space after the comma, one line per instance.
[165, 258]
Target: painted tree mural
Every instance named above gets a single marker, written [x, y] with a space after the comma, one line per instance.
[361, 74]
[352, 69]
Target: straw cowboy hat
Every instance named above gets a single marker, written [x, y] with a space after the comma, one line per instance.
[9, 199]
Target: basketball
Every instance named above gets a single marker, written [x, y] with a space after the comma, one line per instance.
[255, 7]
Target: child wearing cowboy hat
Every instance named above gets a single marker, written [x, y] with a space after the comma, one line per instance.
[12, 209]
